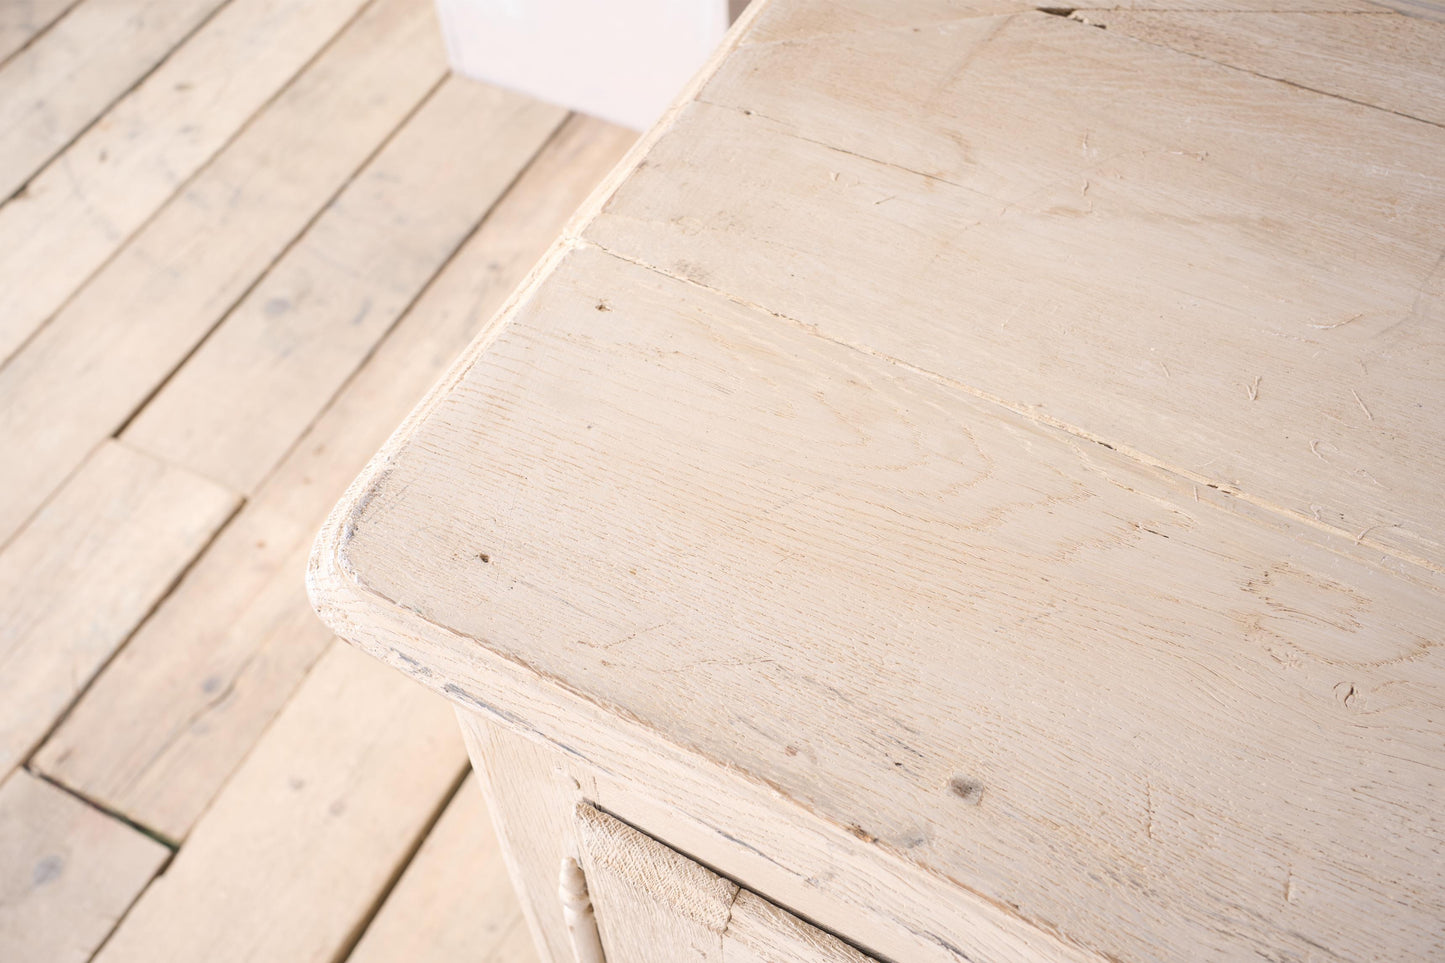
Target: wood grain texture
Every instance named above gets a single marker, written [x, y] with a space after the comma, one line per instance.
[531, 796]
[993, 505]
[198, 683]
[1424, 9]
[802, 21]
[85, 373]
[654, 903]
[84, 573]
[309, 833]
[1272, 333]
[53, 89]
[205, 676]
[67, 872]
[535, 781]
[454, 902]
[1333, 55]
[21, 21]
[81, 208]
[1002, 635]
[240, 402]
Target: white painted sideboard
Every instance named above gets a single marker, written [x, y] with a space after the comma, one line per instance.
[971, 482]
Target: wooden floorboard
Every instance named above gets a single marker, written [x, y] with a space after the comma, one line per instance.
[306, 838]
[455, 901]
[246, 236]
[243, 399]
[206, 674]
[86, 372]
[77, 212]
[67, 872]
[22, 21]
[83, 576]
[55, 87]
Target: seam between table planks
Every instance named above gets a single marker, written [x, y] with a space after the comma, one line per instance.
[573, 236]
[1076, 18]
[1357, 538]
[1064, 10]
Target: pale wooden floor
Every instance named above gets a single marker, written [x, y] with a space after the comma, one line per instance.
[239, 239]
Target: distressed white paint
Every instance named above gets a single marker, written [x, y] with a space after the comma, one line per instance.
[992, 512]
[577, 912]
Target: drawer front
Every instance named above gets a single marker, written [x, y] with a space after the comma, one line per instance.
[654, 905]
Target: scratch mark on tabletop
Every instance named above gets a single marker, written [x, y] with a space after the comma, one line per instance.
[1370, 528]
[1372, 478]
[1148, 809]
[1337, 324]
[629, 638]
[1362, 404]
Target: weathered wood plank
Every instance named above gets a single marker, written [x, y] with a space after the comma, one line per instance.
[197, 684]
[292, 857]
[806, 20]
[1104, 234]
[81, 208]
[84, 573]
[85, 373]
[534, 783]
[67, 872]
[650, 900]
[21, 21]
[1392, 62]
[240, 402]
[532, 797]
[53, 89]
[454, 902]
[1425, 9]
[654, 903]
[203, 677]
[853, 553]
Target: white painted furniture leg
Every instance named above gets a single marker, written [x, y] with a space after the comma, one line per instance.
[622, 60]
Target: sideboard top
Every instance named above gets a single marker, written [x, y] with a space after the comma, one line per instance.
[1013, 436]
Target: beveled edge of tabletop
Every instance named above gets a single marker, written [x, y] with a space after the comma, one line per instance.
[336, 590]
[949, 916]
[478, 678]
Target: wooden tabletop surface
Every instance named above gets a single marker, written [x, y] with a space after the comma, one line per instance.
[1015, 437]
